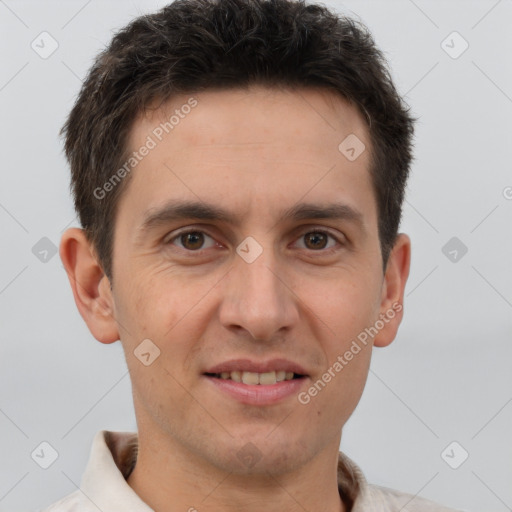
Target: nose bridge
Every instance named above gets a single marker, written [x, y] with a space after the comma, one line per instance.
[257, 298]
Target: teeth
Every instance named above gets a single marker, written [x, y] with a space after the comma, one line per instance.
[252, 378]
[268, 378]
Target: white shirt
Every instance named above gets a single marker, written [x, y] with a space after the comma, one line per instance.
[113, 455]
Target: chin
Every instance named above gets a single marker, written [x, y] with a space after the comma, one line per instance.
[262, 454]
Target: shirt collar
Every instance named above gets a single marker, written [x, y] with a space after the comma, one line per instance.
[104, 480]
[113, 456]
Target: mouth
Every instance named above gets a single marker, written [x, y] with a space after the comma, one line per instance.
[257, 383]
[256, 379]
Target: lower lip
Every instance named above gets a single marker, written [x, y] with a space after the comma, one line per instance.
[258, 394]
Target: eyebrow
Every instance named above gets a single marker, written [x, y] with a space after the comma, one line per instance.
[198, 210]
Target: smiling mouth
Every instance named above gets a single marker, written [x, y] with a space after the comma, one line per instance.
[253, 378]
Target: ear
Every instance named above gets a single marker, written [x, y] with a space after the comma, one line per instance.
[91, 287]
[393, 286]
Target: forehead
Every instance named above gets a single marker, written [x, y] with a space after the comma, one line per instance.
[262, 149]
[240, 116]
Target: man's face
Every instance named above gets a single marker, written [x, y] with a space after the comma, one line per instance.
[208, 298]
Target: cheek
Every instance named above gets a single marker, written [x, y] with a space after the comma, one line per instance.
[346, 306]
[345, 312]
[167, 309]
[140, 309]
[333, 396]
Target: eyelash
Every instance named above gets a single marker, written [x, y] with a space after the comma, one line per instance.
[200, 252]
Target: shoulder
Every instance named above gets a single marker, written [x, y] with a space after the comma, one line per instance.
[368, 497]
[71, 503]
[401, 501]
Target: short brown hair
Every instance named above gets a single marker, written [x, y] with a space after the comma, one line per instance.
[194, 45]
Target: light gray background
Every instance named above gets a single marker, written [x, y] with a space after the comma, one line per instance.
[447, 375]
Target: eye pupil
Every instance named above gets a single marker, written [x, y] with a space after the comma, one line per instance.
[194, 240]
[193, 236]
[314, 237]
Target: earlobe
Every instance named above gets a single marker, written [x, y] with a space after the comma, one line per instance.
[395, 279]
[91, 288]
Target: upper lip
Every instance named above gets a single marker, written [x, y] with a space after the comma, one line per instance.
[248, 365]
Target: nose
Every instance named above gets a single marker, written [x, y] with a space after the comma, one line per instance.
[259, 298]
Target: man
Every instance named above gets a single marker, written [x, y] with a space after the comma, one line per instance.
[238, 168]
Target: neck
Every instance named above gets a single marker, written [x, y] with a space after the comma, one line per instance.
[169, 478]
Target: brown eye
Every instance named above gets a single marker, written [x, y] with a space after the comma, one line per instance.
[192, 241]
[318, 240]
